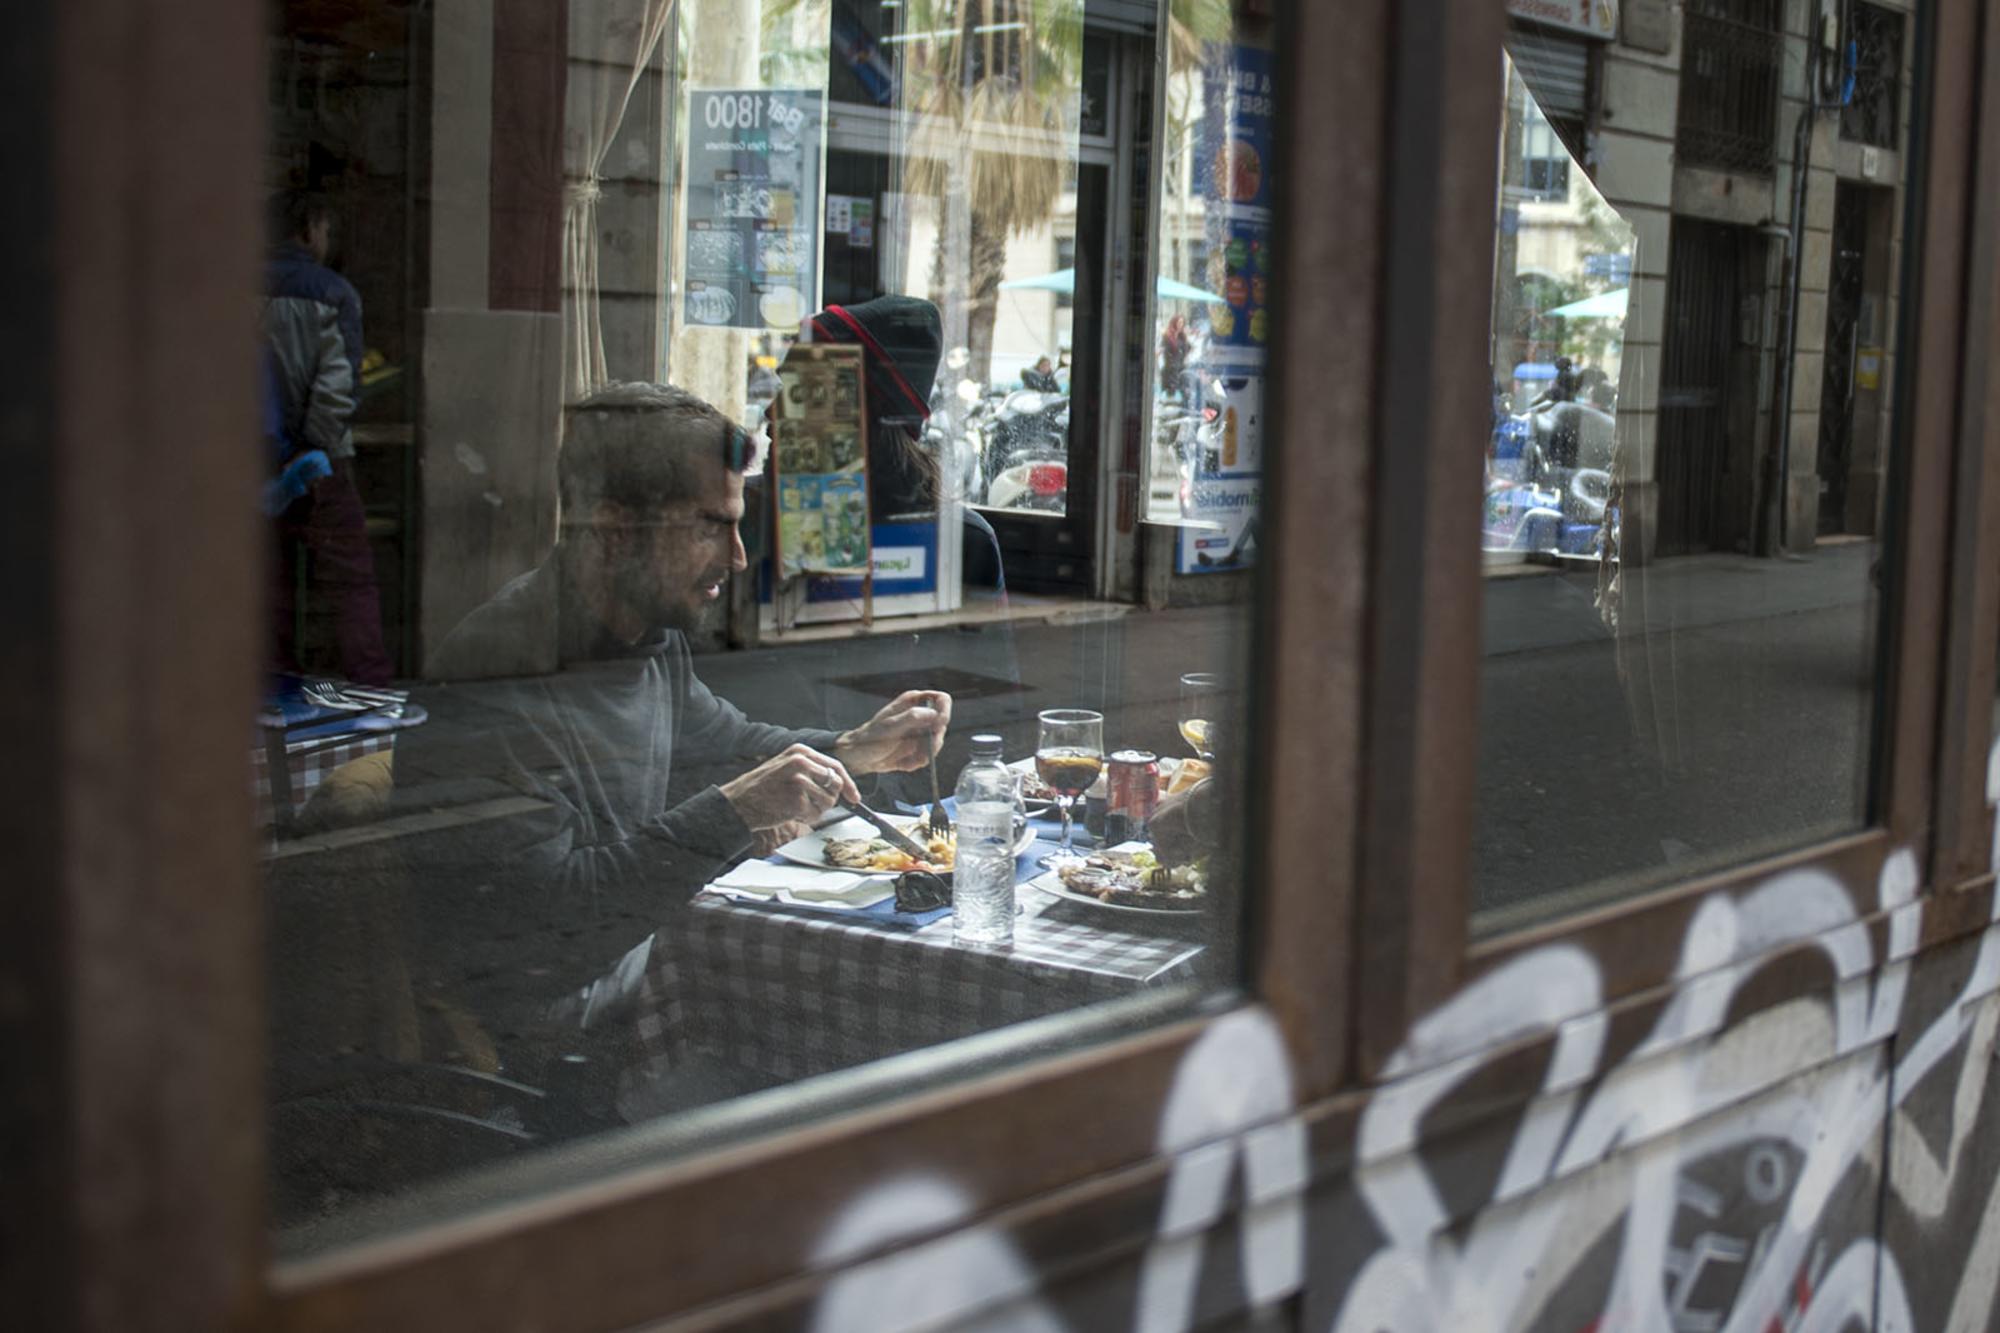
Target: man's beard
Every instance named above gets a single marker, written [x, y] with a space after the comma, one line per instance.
[687, 614]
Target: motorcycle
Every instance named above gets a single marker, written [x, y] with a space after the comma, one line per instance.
[1549, 481]
[952, 437]
[1024, 450]
[1004, 449]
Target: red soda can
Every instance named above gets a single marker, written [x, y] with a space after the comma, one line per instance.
[1132, 791]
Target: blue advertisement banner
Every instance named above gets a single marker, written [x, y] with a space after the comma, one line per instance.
[1220, 508]
[1237, 125]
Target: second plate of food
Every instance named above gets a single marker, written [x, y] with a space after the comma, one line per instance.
[1127, 878]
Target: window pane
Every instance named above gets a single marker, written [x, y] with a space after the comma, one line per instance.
[682, 419]
[1687, 476]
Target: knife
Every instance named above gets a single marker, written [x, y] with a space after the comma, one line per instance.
[894, 836]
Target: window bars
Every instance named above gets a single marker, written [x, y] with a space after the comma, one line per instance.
[1729, 87]
[1870, 115]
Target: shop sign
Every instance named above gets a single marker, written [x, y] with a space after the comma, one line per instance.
[753, 202]
[901, 562]
[1222, 514]
[1592, 18]
[1868, 368]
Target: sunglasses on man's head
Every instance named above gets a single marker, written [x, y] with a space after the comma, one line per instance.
[922, 891]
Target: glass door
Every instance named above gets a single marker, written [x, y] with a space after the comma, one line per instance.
[1039, 433]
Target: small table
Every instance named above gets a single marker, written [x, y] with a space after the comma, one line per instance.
[789, 992]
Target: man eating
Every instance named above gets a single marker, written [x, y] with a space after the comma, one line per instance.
[651, 485]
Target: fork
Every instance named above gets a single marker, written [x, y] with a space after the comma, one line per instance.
[938, 822]
[327, 695]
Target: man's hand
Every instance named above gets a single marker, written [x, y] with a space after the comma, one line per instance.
[1186, 826]
[795, 784]
[769, 840]
[903, 736]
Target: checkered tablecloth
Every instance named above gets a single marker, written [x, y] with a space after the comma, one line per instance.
[790, 994]
[308, 763]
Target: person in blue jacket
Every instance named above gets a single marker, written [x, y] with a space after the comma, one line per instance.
[312, 331]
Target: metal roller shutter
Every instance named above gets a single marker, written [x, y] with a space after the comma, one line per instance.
[1556, 70]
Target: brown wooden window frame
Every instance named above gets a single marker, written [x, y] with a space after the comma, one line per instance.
[142, 945]
[153, 896]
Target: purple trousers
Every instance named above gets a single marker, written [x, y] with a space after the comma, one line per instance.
[323, 537]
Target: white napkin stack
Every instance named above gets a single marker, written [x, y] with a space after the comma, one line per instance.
[763, 881]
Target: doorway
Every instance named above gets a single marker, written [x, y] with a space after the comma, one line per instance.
[1851, 443]
[1707, 387]
[1049, 551]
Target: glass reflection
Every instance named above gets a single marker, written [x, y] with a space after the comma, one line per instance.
[1684, 477]
[734, 431]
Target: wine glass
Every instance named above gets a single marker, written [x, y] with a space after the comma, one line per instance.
[1199, 693]
[1069, 754]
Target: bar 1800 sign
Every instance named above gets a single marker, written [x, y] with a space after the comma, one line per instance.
[753, 206]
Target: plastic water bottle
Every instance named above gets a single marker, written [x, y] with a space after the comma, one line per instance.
[982, 881]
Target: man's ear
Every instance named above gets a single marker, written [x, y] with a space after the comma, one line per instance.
[610, 523]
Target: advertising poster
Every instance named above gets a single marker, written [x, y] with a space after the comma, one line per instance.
[819, 459]
[1239, 329]
[753, 204]
[1226, 509]
[1237, 121]
[1236, 144]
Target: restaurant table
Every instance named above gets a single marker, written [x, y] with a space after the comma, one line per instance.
[789, 992]
[302, 744]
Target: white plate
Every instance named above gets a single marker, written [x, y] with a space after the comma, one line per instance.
[1051, 883]
[810, 850]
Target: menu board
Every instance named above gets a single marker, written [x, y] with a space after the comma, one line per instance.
[753, 206]
[819, 461]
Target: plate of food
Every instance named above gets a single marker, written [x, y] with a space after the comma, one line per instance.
[1179, 775]
[1128, 878]
[854, 844]
[1036, 794]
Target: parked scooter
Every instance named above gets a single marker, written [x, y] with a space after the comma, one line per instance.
[1550, 480]
[952, 436]
[1002, 449]
[1025, 450]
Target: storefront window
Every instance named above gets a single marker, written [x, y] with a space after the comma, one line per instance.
[697, 430]
[1684, 517]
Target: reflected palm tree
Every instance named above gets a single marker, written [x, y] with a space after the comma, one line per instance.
[992, 90]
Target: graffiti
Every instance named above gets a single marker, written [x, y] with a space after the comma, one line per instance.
[1794, 1100]
[1728, 1173]
[1228, 1110]
[928, 1285]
